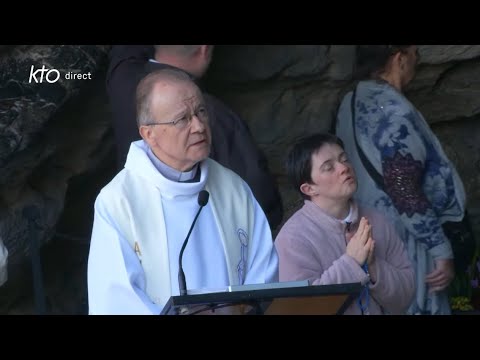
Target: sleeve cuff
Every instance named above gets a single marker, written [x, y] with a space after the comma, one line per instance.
[442, 251]
[356, 270]
[378, 274]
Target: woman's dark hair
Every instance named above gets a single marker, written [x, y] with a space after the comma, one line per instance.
[299, 159]
[370, 60]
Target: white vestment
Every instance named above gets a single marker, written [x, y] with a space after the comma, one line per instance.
[141, 221]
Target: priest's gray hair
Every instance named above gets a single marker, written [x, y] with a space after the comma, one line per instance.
[145, 91]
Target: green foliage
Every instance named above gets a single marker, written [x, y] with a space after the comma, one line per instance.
[461, 303]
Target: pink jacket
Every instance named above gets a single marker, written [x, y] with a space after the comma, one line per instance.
[312, 245]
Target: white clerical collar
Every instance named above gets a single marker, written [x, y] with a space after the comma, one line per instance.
[348, 219]
[169, 172]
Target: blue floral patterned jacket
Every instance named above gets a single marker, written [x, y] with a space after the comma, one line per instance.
[421, 188]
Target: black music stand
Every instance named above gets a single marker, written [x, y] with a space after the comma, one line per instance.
[303, 300]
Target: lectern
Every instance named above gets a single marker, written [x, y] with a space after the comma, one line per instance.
[270, 300]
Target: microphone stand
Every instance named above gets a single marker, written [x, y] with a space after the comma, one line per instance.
[182, 283]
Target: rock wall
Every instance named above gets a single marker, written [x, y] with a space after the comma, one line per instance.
[49, 132]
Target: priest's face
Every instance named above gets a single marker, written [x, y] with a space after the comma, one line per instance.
[179, 134]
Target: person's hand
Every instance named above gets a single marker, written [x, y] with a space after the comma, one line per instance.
[442, 276]
[360, 245]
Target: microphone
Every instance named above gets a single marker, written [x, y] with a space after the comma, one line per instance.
[182, 284]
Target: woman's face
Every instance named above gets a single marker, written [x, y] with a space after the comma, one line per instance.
[333, 178]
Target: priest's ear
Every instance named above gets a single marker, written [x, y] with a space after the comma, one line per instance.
[147, 133]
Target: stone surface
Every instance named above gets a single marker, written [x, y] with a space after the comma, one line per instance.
[461, 141]
[437, 54]
[48, 131]
[251, 63]
[455, 94]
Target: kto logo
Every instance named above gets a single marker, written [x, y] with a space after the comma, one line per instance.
[51, 75]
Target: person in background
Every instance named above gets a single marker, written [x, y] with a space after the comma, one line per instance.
[402, 168]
